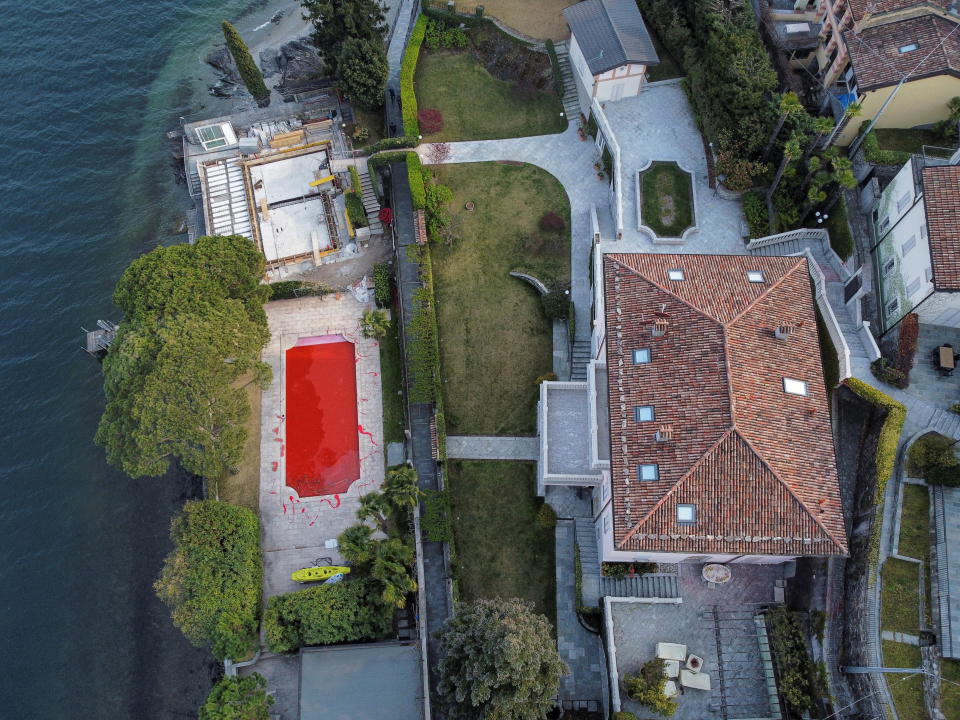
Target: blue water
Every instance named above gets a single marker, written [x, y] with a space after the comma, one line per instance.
[88, 90]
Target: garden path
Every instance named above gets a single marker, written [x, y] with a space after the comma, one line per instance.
[478, 447]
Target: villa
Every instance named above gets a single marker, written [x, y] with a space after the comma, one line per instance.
[703, 428]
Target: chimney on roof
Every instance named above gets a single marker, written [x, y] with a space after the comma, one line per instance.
[665, 433]
[784, 330]
[660, 327]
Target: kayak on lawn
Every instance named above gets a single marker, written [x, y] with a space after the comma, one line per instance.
[316, 574]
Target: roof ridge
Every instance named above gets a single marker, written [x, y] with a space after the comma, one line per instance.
[656, 506]
[789, 489]
[766, 292]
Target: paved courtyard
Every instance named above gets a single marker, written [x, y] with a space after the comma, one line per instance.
[296, 529]
[715, 623]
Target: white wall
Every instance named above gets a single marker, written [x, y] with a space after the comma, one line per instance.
[582, 76]
[940, 309]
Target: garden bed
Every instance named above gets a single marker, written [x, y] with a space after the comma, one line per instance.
[666, 199]
[899, 598]
[915, 523]
[391, 377]
[906, 690]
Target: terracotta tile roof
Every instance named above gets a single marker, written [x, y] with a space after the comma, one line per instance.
[878, 62]
[860, 8]
[758, 464]
[941, 200]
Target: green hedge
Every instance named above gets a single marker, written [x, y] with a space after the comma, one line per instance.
[557, 76]
[886, 455]
[287, 289]
[355, 209]
[873, 153]
[347, 611]
[755, 210]
[355, 179]
[418, 193]
[404, 141]
[408, 68]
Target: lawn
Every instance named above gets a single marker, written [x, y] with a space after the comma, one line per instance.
[540, 19]
[911, 141]
[668, 68]
[501, 551]
[914, 523]
[950, 688]
[899, 600]
[907, 690]
[494, 337]
[667, 199]
[477, 106]
[243, 487]
[391, 383]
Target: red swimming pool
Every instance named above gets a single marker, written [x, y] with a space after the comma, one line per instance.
[322, 444]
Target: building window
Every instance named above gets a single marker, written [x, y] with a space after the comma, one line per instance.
[648, 472]
[643, 413]
[908, 245]
[641, 357]
[606, 524]
[913, 287]
[903, 202]
[908, 48]
[893, 306]
[686, 514]
[928, 273]
[755, 276]
[794, 387]
[211, 136]
[923, 231]
[676, 275]
[888, 266]
[884, 224]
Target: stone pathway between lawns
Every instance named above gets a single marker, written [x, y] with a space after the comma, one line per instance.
[478, 447]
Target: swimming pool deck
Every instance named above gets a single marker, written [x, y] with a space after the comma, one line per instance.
[295, 529]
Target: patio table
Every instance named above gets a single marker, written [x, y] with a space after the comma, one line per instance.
[716, 573]
[672, 651]
[947, 359]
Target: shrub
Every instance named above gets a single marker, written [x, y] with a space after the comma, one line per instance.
[441, 34]
[435, 521]
[799, 683]
[355, 210]
[885, 371]
[755, 210]
[932, 458]
[249, 72]
[347, 611]
[360, 135]
[431, 121]
[375, 324]
[546, 517]
[382, 293]
[907, 343]
[397, 143]
[646, 688]
[355, 179]
[238, 698]
[955, 408]
[615, 570]
[287, 289]
[212, 578]
[623, 715]
[555, 305]
[408, 68]
[550, 376]
[872, 152]
[551, 222]
[418, 193]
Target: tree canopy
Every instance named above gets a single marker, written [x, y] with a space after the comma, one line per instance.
[249, 72]
[211, 580]
[337, 21]
[194, 324]
[362, 69]
[238, 698]
[498, 661]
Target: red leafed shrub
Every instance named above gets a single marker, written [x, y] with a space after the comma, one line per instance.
[431, 121]
[907, 342]
[552, 222]
[386, 215]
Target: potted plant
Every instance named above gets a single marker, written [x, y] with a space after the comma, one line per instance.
[581, 133]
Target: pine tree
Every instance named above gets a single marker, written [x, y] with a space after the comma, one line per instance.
[249, 72]
[336, 21]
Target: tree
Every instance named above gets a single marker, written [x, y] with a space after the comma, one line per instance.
[375, 324]
[212, 578]
[362, 70]
[791, 151]
[374, 506]
[336, 21]
[391, 568]
[357, 544]
[850, 111]
[843, 177]
[238, 698]
[821, 126]
[194, 324]
[498, 661]
[401, 488]
[249, 72]
[788, 106]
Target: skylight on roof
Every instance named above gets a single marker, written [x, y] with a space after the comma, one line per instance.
[686, 514]
[648, 472]
[794, 387]
[755, 276]
[641, 357]
[676, 275]
[908, 48]
[643, 413]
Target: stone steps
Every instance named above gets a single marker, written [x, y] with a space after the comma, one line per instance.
[579, 360]
[371, 204]
[651, 585]
[571, 105]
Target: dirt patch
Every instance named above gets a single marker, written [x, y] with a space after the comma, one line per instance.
[540, 19]
[508, 60]
[341, 274]
[243, 487]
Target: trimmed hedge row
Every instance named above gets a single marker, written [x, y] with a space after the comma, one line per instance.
[404, 141]
[418, 193]
[408, 68]
[873, 153]
[287, 289]
[355, 179]
[886, 456]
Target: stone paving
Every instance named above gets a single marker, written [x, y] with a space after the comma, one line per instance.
[478, 447]
[296, 529]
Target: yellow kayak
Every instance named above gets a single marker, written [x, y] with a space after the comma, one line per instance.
[315, 574]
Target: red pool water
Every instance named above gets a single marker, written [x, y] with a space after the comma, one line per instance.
[322, 444]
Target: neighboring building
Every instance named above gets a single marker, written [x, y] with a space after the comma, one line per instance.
[703, 428]
[916, 258]
[610, 50]
[867, 46]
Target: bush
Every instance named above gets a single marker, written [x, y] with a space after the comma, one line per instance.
[646, 687]
[249, 72]
[551, 222]
[907, 343]
[623, 715]
[798, 684]
[550, 376]
[212, 578]
[288, 289]
[546, 517]
[755, 210]
[375, 324]
[435, 521]
[382, 293]
[408, 68]
[347, 611]
[872, 152]
[555, 305]
[418, 193]
[441, 34]
[955, 408]
[885, 371]
[931, 452]
[355, 210]
[397, 143]
[238, 698]
[431, 121]
[355, 179]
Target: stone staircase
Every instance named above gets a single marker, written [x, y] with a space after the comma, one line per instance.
[370, 204]
[571, 105]
[581, 357]
[651, 585]
[586, 539]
